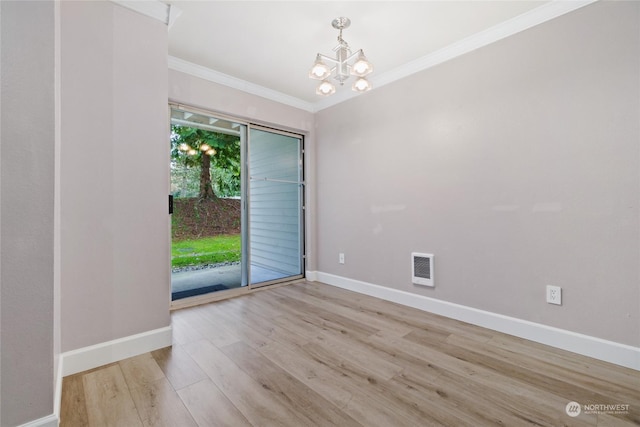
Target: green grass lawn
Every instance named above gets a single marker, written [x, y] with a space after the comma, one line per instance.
[208, 250]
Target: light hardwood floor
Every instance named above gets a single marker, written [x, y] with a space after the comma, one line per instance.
[310, 354]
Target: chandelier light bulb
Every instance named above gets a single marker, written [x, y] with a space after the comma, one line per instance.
[192, 152]
[361, 85]
[211, 151]
[326, 88]
[205, 147]
[184, 147]
[361, 67]
[319, 70]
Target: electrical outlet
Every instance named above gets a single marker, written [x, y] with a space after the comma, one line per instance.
[341, 258]
[554, 295]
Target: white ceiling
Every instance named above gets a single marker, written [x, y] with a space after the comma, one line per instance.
[269, 46]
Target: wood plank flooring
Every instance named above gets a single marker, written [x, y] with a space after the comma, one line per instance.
[310, 354]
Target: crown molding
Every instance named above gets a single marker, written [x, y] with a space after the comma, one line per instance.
[537, 16]
[155, 9]
[196, 70]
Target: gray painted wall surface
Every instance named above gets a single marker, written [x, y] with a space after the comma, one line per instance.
[115, 260]
[26, 210]
[517, 165]
[197, 92]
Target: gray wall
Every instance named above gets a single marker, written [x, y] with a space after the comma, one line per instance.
[517, 165]
[197, 92]
[26, 210]
[115, 260]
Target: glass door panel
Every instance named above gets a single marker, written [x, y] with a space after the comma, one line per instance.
[206, 183]
[276, 194]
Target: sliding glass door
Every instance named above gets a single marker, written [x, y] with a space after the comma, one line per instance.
[238, 192]
[276, 194]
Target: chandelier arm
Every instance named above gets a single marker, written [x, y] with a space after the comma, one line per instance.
[353, 55]
[328, 58]
[335, 61]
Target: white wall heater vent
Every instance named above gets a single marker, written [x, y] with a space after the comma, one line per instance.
[422, 269]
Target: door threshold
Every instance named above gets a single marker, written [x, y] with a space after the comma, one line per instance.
[207, 298]
[227, 294]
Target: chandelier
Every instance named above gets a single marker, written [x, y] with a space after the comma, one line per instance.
[343, 66]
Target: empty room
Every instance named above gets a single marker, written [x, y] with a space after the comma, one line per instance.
[319, 213]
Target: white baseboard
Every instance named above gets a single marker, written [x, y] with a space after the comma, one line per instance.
[48, 421]
[311, 276]
[608, 351]
[112, 351]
